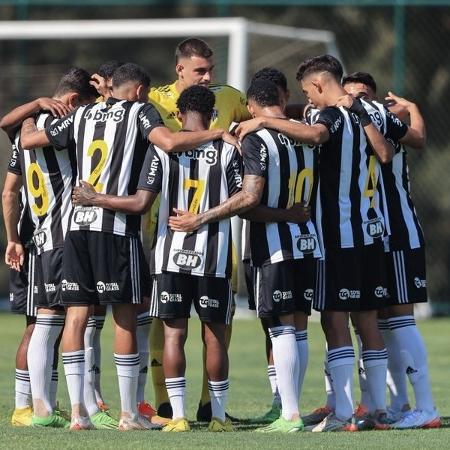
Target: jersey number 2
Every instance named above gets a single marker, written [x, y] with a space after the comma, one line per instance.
[97, 146]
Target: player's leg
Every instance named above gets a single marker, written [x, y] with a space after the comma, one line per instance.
[49, 324]
[99, 317]
[409, 266]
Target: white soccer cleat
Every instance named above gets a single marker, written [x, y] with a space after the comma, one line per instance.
[137, 423]
[395, 415]
[419, 419]
[81, 423]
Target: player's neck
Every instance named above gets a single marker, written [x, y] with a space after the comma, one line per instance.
[273, 111]
[194, 122]
[335, 92]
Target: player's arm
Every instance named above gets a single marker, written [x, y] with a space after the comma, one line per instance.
[14, 254]
[308, 134]
[31, 137]
[383, 149]
[297, 213]
[138, 203]
[12, 120]
[416, 135]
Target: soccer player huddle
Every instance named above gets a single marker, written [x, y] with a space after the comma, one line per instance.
[328, 223]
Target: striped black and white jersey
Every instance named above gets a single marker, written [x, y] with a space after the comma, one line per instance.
[48, 178]
[406, 232]
[194, 181]
[25, 227]
[111, 140]
[289, 170]
[349, 205]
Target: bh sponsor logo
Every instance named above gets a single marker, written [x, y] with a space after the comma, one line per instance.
[281, 295]
[307, 243]
[40, 238]
[187, 259]
[85, 216]
[106, 287]
[349, 294]
[420, 283]
[381, 292]
[69, 286]
[206, 302]
[165, 297]
[375, 228]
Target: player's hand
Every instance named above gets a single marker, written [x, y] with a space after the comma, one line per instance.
[84, 194]
[100, 85]
[14, 255]
[249, 126]
[398, 105]
[56, 107]
[184, 221]
[346, 101]
[231, 139]
[299, 213]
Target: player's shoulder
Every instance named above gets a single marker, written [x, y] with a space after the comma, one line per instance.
[161, 92]
[225, 90]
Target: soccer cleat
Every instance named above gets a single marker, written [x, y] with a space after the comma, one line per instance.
[138, 423]
[373, 422]
[419, 419]
[361, 412]
[177, 426]
[217, 426]
[165, 410]
[146, 410]
[103, 421]
[81, 424]
[395, 415]
[62, 412]
[53, 421]
[317, 416]
[158, 420]
[332, 423]
[270, 416]
[204, 413]
[22, 417]
[281, 425]
[102, 406]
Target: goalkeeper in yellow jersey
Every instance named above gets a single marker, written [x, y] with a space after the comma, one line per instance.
[193, 65]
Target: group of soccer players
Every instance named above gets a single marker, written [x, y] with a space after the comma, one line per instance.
[329, 222]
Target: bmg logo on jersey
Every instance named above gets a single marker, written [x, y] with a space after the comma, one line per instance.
[107, 287]
[349, 294]
[306, 243]
[165, 297]
[116, 115]
[204, 152]
[420, 283]
[277, 295]
[380, 292]
[206, 302]
[375, 228]
[84, 216]
[187, 259]
[40, 238]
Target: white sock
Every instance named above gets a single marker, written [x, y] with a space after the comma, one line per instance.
[90, 399]
[128, 373]
[396, 373]
[40, 356]
[74, 371]
[375, 365]
[414, 356]
[272, 374]
[142, 335]
[54, 388]
[218, 393]
[176, 389]
[303, 354]
[99, 322]
[23, 389]
[366, 399]
[340, 363]
[285, 358]
[331, 397]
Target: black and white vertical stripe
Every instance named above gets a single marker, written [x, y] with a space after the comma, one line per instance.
[401, 281]
[135, 269]
[31, 309]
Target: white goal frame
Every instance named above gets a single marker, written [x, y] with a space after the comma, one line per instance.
[235, 29]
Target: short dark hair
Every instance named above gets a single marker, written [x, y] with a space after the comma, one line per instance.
[360, 77]
[196, 99]
[107, 69]
[271, 74]
[321, 63]
[130, 72]
[264, 93]
[76, 80]
[192, 47]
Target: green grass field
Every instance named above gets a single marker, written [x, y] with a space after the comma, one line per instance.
[249, 396]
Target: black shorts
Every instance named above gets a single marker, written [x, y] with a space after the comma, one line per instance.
[103, 268]
[24, 286]
[285, 287]
[49, 265]
[174, 293]
[406, 275]
[352, 279]
[250, 274]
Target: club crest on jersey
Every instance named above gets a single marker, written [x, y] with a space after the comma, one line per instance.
[203, 152]
[102, 116]
[306, 243]
[375, 228]
[187, 259]
[84, 216]
[40, 238]
[206, 302]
